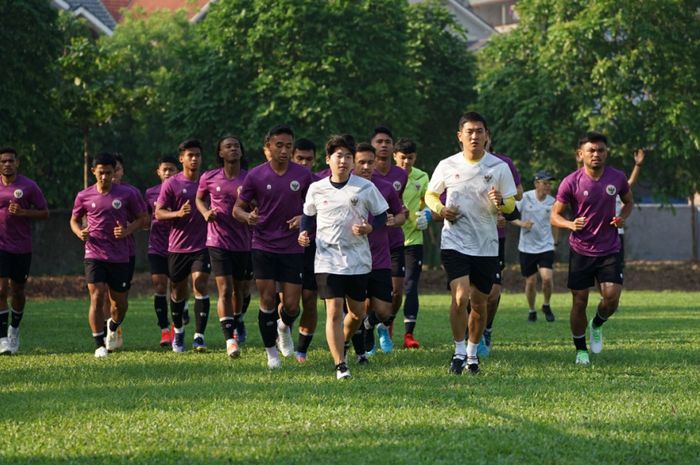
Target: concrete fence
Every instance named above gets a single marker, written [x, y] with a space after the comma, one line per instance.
[652, 233]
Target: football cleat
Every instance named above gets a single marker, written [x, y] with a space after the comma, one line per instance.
[596, 338]
[457, 364]
[409, 342]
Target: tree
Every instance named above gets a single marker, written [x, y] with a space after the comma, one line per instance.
[627, 68]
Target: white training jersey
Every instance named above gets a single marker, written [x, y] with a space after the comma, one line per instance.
[539, 238]
[338, 250]
[474, 232]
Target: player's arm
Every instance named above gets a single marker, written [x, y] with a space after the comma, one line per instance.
[519, 192]
[200, 202]
[557, 219]
[638, 160]
[241, 212]
[137, 224]
[627, 205]
[163, 214]
[33, 214]
[76, 225]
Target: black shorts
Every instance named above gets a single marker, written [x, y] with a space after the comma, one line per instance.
[622, 249]
[182, 265]
[584, 270]
[116, 275]
[531, 262]
[398, 263]
[158, 264]
[229, 263]
[379, 285]
[308, 275]
[281, 267]
[501, 260]
[482, 271]
[331, 286]
[15, 266]
[132, 268]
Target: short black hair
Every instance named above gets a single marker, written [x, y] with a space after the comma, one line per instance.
[381, 130]
[167, 159]
[219, 160]
[592, 136]
[189, 144]
[365, 147]
[337, 141]
[472, 117]
[304, 144]
[120, 159]
[104, 158]
[8, 150]
[278, 129]
[405, 146]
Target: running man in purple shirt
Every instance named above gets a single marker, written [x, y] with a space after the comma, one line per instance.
[187, 245]
[107, 207]
[379, 286]
[21, 201]
[382, 140]
[271, 200]
[590, 192]
[158, 250]
[304, 155]
[228, 240]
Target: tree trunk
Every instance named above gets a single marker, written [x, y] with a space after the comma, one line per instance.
[693, 227]
[86, 158]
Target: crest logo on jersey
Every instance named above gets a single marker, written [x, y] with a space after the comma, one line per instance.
[354, 201]
[218, 188]
[92, 204]
[585, 193]
[488, 178]
[18, 194]
[417, 186]
[269, 187]
[397, 186]
[610, 189]
[117, 204]
[294, 185]
[184, 190]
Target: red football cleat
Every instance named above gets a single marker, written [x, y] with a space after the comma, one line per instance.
[409, 342]
[166, 337]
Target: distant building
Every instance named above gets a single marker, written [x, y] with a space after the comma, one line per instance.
[99, 19]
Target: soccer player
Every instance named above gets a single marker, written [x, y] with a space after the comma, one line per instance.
[304, 155]
[478, 186]
[158, 250]
[108, 207]
[382, 140]
[341, 205]
[418, 217]
[21, 201]
[187, 245]
[227, 239]
[537, 242]
[378, 303]
[590, 192]
[271, 200]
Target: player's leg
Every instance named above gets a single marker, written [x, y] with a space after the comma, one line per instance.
[309, 303]
[547, 277]
[98, 292]
[200, 269]
[4, 311]
[118, 283]
[414, 264]
[158, 265]
[179, 270]
[609, 274]
[581, 278]
[290, 275]
[240, 333]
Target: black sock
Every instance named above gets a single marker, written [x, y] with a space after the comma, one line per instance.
[201, 310]
[371, 320]
[288, 319]
[227, 325]
[16, 318]
[580, 342]
[597, 320]
[160, 304]
[358, 341]
[246, 303]
[99, 339]
[113, 325]
[4, 317]
[410, 326]
[104, 327]
[304, 342]
[176, 309]
[267, 322]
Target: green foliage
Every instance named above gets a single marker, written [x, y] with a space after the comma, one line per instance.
[627, 68]
[637, 403]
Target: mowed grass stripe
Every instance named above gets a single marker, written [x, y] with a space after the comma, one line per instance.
[638, 402]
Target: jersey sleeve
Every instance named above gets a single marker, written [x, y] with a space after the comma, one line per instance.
[202, 187]
[310, 202]
[165, 197]
[37, 199]
[247, 193]
[376, 203]
[137, 205]
[506, 183]
[564, 194]
[78, 208]
[395, 204]
[437, 181]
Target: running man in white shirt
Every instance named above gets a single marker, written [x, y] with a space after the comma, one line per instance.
[538, 239]
[341, 205]
[478, 185]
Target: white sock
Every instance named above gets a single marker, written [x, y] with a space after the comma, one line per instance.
[460, 347]
[272, 352]
[196, 335]
[471, 349]
[281, 326]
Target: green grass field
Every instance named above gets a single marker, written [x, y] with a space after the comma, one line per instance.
[638, 403]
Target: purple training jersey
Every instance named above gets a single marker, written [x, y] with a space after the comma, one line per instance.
[188, 234]
[16, 231]
[131, 239]
[160, 230]
[379, 238]
[103, 212]
[594, 200]
[397, 178]
[516, 181]
[278, 199]
[225, 232]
